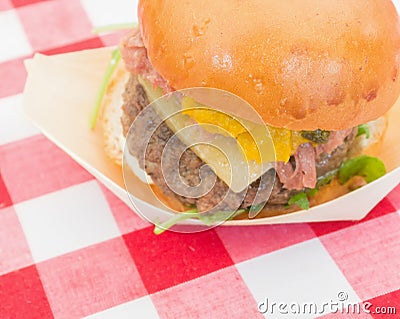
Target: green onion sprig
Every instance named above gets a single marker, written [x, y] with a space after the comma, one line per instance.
[112, 65]
[113, 27]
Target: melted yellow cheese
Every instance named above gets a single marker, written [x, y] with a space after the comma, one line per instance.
[285, 141]
[238, 151]
[222, 152]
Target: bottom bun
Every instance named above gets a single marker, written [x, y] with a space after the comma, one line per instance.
[110, 117]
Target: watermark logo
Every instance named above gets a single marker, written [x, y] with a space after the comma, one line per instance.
[198, 149]
[340, 305]
[343, 296]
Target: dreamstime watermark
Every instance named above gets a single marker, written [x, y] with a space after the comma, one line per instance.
[340, 305]
[202, 147]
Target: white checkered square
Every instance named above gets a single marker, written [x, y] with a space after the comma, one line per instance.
[139, 308]
[397, 4]
[13, 123]
[103, 13]
[66, 220]
[14, 42]
[303, 273]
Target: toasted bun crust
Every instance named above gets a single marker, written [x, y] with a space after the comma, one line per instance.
[303, 64]
[110, 117]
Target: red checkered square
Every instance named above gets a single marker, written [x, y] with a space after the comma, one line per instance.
[179, 257]
[259, 240]
[5, 199]
[14, 250]
[383, 208]
[386, 306]
[127, 220]
[221, 294]
[22, 296]
[5, 5]
[13, 77]
[26, 179]
[368, 254]
[90, 280]
[92, 43]
[65, 20]
[394, 197]
[21, 3]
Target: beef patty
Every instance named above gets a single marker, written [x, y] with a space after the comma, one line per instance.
[135, 100]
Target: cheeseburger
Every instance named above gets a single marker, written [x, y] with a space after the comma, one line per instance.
[320, 74]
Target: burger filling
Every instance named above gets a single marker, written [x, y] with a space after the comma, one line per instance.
[310, 157]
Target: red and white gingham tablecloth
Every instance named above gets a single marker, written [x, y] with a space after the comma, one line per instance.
[70, 249]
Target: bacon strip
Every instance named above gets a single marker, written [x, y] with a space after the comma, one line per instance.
[305, 173]
[136, 61]
[336, 138]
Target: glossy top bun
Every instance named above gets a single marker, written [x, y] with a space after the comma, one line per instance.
[302, 64]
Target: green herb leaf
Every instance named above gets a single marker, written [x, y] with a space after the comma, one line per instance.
[363, 129]
[115, 58]
[301, 200]
[158, 229]
[211, 218]
[327, 178]
[317, 136]
[114, 27]
[311, 192]
[371, 168]
[207, 219]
